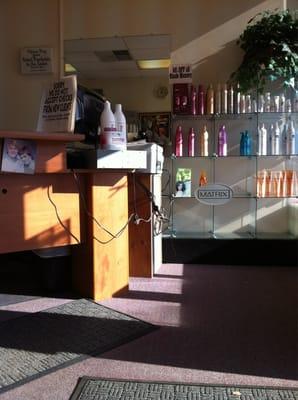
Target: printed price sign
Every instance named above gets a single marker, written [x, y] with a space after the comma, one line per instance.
[180, 73]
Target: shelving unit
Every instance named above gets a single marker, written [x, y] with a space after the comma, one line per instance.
[246, 215]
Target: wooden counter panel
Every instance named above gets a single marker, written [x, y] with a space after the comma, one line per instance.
[140, 236]
[108, 202]
[28, 219]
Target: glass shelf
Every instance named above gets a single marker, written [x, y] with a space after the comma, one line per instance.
[230, 236]
[211, 117]
[215, 156]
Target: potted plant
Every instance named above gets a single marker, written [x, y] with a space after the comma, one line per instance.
[270, 45]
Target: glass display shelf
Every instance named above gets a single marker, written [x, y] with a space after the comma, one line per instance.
[230, 236]
[251, 115]
[277, 236]
[214, 156]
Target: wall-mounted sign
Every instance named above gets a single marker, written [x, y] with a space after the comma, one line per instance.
[214, 194]
[180, 73]
[36, 60]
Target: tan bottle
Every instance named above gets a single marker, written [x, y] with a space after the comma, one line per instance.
[204, 142]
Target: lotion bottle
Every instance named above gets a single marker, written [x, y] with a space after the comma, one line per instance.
[107, 128]
[222, 141]
[210, 100]
[120, 120]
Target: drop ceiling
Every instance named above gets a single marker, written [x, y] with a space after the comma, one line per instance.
[115, 57]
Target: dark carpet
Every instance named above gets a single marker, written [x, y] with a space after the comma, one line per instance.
[103, 389]
[39, 343]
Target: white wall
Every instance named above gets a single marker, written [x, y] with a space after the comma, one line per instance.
[29, 23]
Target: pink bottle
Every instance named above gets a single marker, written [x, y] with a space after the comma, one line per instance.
[201, 100]
[193, 99]
[191, 143]
[179, 142]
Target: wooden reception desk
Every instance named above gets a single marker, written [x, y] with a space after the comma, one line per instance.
[59, 207]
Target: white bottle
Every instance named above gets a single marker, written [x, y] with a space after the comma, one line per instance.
[120, 120]
[291, 138]
[282, 103]
[107, 128]
[224, 99]
[276, 140]
[262, 143]
[204, 142]
[231, 100]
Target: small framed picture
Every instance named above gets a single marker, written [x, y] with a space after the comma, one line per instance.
[183, 182]
[18, 156]
[156, 127]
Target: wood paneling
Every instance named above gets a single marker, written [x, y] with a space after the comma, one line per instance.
[29, 219]
[106, 200]
[140, 236]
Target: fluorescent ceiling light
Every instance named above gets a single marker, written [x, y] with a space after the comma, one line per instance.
[153, 64]
[69, 68]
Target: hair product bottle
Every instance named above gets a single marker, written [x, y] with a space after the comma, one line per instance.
[222, 141]
[191, 143]
[179, 142]
[108, 130]
[231, 100]
[201, 100]
[262, 142]
[120, 121]
[275, 144]
[242, 144]
[247, 144]
[194, 100]
[291, 144]
[224, 99]
[237, 99]
[218, 99]
[203, 178]
[204, 142]
[210, 100]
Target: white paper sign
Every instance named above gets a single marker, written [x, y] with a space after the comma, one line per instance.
[58, 105]
[214, 194]
[36, 60]
[180, 73]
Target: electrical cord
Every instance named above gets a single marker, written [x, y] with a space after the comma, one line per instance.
[58, 217]
[113, 236]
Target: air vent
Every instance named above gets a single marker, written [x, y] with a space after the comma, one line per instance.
[113, 55]
[122, 55]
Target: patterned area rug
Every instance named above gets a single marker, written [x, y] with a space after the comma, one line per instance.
[102, 389]
[38, 343]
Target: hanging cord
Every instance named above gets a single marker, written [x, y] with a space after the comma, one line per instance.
[101, 226]
[58, 217]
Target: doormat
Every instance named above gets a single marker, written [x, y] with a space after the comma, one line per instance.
[99, 389]
[39, 343]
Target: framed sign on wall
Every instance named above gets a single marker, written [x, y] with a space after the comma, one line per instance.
[36, 60]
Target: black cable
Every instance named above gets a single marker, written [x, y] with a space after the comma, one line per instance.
[58, 217]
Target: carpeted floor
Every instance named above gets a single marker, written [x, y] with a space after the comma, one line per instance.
[38, 343]
[99, 389]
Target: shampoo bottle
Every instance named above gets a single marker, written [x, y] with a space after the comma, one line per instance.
[224, 99]
[179, 142]
[210, 100]
[222, 141]
[218, 99]
[291, 144]
[201, 100]
[191, 143]
[262, 142]
[120, 120]
[193, 99]
[275, 145]
[107, 128]
[204, 142]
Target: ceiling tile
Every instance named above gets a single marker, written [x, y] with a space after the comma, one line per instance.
[148, 42]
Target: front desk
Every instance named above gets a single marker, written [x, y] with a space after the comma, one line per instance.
[60, 207]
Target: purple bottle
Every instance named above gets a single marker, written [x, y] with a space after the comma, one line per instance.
[222, 142]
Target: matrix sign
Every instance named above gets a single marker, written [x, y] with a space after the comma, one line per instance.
[214, 194]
